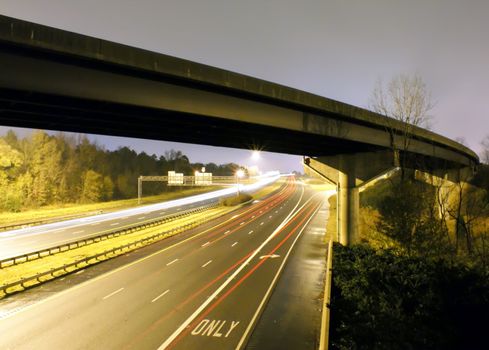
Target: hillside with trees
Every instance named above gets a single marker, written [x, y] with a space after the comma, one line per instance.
[43, 169]
[419, 276]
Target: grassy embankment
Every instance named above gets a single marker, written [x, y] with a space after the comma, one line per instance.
[384, 299]
[52, 212]
[14, 273]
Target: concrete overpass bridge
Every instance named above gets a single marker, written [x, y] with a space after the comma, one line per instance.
[54, 79]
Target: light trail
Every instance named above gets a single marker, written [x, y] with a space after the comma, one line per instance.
[42, 229]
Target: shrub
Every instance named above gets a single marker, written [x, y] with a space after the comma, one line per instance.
[381, 300]
[235, 200]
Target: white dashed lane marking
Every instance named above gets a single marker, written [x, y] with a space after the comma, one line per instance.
[113, 293]
[207, 263]
[159, 296]
[171, 262]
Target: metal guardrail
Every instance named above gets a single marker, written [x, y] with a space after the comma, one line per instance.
[19, 259]
[28, 282]
[324, 337]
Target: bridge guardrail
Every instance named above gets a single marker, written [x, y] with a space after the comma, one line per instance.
[326, 308]
[19, 259]
[34, 280]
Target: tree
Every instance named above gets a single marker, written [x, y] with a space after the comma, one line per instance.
[10, 162]
[93, 187]
[405, 99]
[108, 189]
[485, 149]
[408, 215]
[46, 168]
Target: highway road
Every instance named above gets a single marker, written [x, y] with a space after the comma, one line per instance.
[202, 290]
[22, 241]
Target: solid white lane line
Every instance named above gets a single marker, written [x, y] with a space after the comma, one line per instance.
[205, 244]
[274, 281]
[113, 293]
[81, 231]
[212, 297]
[142, 217]
[159, 296]
[250, 232]
[171, 262]
[115, 223]
[234, 244]
[81, 271]
[207, 263]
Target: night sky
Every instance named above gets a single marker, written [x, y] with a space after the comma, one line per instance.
[333, 48]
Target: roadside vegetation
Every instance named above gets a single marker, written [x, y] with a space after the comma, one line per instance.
[54, 170]
[419, 276]
[385, 300]
[235, 200]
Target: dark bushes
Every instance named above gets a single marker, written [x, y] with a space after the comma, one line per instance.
[381, 300]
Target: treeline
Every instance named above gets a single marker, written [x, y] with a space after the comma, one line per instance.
[44, 169]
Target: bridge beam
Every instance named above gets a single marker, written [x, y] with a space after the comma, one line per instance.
[349, 172]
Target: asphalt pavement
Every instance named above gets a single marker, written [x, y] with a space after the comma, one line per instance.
[204, 290]
[27, 240]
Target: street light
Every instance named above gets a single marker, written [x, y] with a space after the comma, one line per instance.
[239, 174]
[255, 155]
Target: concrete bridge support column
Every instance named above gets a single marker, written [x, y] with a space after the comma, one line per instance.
[449, 183]
[350, 172]
[348, 208]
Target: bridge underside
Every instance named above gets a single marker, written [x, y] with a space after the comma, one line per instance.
[57, 80]
[54, 112]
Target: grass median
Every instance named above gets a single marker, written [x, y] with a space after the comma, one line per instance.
[16, 273]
